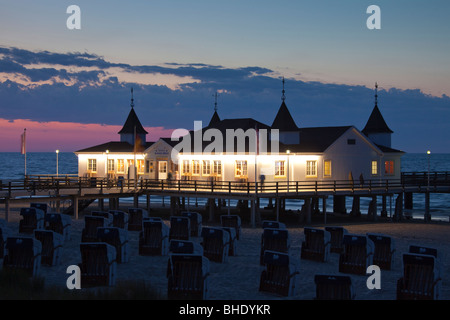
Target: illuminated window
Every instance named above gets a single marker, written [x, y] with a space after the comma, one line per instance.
[327, 168]
[217, 168]
[92, 165]
[110, 165]
[130, 162]
[311, 168]
[206, 168]
[140, 166]
[196, 167]
[374, 167]
[280, 169]
[120, 165]
[389, 167]
[241, 168]
[186, 167]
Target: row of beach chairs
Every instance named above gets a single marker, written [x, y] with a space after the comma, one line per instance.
[421, 275]
[41, 237]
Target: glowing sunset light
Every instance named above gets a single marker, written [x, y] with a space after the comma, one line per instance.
[65, 136]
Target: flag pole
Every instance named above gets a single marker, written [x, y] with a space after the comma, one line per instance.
[24, 151]
[134, 149]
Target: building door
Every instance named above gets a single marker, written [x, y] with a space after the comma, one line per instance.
[162, 170]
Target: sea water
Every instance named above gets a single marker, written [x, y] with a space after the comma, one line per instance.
[42, 163]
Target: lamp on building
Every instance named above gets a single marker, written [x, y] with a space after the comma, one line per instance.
[57, 152]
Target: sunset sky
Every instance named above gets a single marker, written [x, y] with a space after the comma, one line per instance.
[71, 88]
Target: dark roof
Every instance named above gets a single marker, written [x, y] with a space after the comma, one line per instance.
[316, 139]
[215, 119]
[113, 146]
[283, 120]
[131, 123]
[240, 123]
[376, 123]
[388, 150]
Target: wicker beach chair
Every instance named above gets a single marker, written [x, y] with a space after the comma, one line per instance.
[421, 278]
[59, 223]
[98, 264]
[279, 275]
[357, 254]
[337, 236]
[41, 206]
[51, 243]
[333, 287]
[119, 219]
[135, 218]
[384, 250]
[316, 245]
[185, 246]
[273, 224]
[32, 218]
[154, 237]
[232, 221]
[274, 240]
[188, 277]
[233, 240]
[215, 242]
[195, 222]
[118, 238]
[91, 223]
[179, 228]
[23, 254]
[105, 214]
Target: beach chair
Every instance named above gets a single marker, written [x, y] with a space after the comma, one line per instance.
[154, 238]
[357, 254]
[333, 287]
[421, 278]
[98, 264]
[337, 236]
[4, 232]
[135, 218]
[51, 243]
[23, 254]
[423, 250]
[279, 275]
[91, 223]
[118, 238]
[41, 206]
[275, 240]
[216, 242]
[232, 221]
[233, 240]
[384, 250]
[32, 218]
[59, 223]
[105, 214]
[273, 224]
[119, 219]
[195, 222]
[188, 277]
[185, 246]
[316, 245]
[179, 228]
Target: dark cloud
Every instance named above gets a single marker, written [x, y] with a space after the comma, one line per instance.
[418, 120]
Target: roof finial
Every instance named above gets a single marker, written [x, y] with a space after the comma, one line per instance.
[215, 102]
[283, 97]
[376, 93]
[132, 100]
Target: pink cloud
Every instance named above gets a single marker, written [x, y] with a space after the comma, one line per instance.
[65, 136]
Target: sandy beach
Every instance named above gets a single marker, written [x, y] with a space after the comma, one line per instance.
[238, 278]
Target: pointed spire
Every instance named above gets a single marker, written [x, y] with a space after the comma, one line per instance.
[376, 93]
[215, 103]
[283, 97]
[132, 99]
[215, 118]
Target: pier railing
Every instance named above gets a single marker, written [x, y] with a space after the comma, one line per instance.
[420, 181]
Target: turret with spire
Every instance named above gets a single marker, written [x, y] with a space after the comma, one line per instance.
[215, 118]
[289, 133]
[376, 128]
[133, 129]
